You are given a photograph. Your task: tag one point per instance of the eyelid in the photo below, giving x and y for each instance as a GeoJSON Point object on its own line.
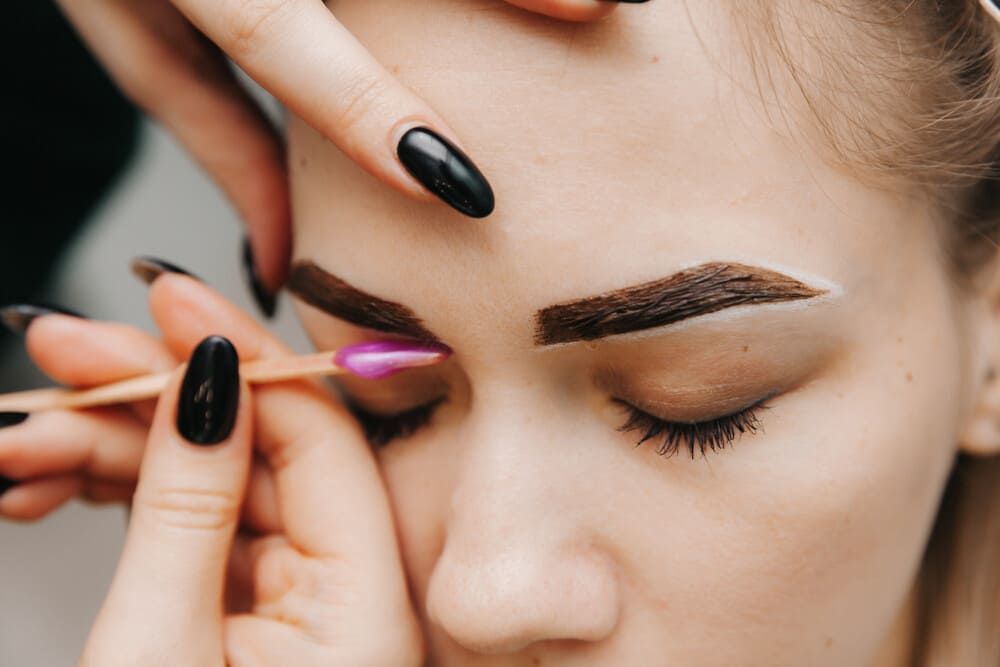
{"type": "Point", "coordinates": [380, 430]}
{"type": "Point", "coordinates": [395, 395]}
{"type": "Point", "coordinates": [709, 434]}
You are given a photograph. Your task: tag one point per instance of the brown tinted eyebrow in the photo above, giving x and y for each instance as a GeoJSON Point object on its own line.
{"type": "Point", "coordinates": [704, 289]}
{"type": "Point", "coordinates": [334, 296]}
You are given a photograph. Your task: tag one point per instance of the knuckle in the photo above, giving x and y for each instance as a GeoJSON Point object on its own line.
{"type": "Point", "coordinates": [253, 22]}
{"type": "Point", "coordinates": [192, 509]}
{"type": "Point", "coordinates": [359, 99]}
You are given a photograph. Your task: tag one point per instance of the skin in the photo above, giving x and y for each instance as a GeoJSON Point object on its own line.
{"type": "Point", "coordinates": [529, 529]}
{"type": "Point", "coordinates": [532, 531]}
{"type": "Point", "coordinates": [299, 53]}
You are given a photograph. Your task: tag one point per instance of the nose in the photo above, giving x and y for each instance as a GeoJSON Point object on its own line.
{"type": "Point", "coordinates": [520, 563]}
{"type": "Point", "coordinates": [500, 601]}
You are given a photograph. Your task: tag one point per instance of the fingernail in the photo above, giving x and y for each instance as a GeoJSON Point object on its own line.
{"type": "Point", "coordinates": [210, 393]}
{"type": "Point", "coordinates": [6, 484]}
{"type": "Point", "coordinates": [10, 419]}
{"type": "Point", "coordinates": [147, 269]}
{"type": "Point", "coordinates": [629, 1]}
{"type": "Point", "coordinates": [17, 317]}
{"type": "Point", "coordinates": [378, 359]}
{"type": "Point", "coordinates": [266, 301]}
{"type": "Point", "coordinates": [446, 171]}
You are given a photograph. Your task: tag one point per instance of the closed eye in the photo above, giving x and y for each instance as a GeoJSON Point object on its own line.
{"type": "Point", "coordinates": [703, 436]}
{"type": "Point", "coordinates": [380, 430]}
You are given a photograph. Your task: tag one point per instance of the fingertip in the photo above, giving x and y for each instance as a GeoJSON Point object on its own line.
{"type": "Point", "coordinates": [579, 11]}
{"type": "Point", "coordinates": [32, 500]}
{"type": "Point", "coordinates": [210, 394]}
{"type": "Point", "coordinates": [269, 234]}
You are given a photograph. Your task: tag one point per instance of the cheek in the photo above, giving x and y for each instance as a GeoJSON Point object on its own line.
{"type": "Point", "coordinates": [805, 539]}
{"type": "Point", "coordinates": [420, 475]}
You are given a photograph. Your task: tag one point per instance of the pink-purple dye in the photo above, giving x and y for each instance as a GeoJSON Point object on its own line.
{"type": "Point", "coordinates": [379, 359]}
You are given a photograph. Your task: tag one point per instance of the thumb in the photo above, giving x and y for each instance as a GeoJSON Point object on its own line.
{"type": "Point", "coordinates": [165, 603]}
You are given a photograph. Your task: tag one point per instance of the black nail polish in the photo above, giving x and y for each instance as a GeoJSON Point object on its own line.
{"type": "Point", "coordinates": [446, 171]}
{"type": "Point", "coordinates": [6, 484]}
{"type": "Point", "coordinates": [210, 393]}
{"type": "Point", "coordinates": [147, 269]}
{"type": "Point", "coordinates": [629, 1]}
{"type": "Point", "coordinates": [18, 316]}
{"type": "Point", "coordinates": [10, 419]}
{"type": "Point", "coordinates": [266, 301]}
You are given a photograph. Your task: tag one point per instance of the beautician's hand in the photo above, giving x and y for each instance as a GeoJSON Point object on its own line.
{"type": "Point", "coordinates": [51, 457]}
{"type": "Point", "coordinates": [157, 52]}
{"type": "Point", "coordinates": [329, 589]}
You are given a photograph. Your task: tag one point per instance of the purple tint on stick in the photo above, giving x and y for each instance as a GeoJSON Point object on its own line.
{"type": "Point", "coordinates": [379, 359]}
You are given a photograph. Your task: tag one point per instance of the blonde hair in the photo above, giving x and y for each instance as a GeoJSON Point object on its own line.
{"type": "Point", "coordinates": [909, 92]}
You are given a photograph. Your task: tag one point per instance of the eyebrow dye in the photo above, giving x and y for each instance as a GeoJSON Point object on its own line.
{"type": "Point", "coordinates": [327, 292]}
{"type": "Point", "coordinates": [375, 360]}
{"type": "Point", "coordinates": [704, 289]}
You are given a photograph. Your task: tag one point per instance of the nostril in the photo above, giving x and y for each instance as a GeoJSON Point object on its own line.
{"type": "Point", "coordinates": [510, 601]}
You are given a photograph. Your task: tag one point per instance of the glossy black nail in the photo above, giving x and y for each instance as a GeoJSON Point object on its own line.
{"type": "Point", "coordinates": [266, 301]}
{"type": "Point", "coordinates": [210, 393]}
{"type": "Point", "coordinates": [10, 419]}
{"type": "Point", "coordinates": [17, 317]}
{"type": "Point", "coordinates": [6, 484]}
{"type": "Point", "coordinates": [147, 269]}
{"type": "Point", "coordinates": [446, 171]}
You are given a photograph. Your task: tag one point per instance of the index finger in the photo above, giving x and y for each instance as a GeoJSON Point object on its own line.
{"type": "Point", "coordinates": [298, 51]}
{"type": "Point", "coordinates": [331, 499]}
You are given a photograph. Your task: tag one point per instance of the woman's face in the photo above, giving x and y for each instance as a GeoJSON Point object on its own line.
{"type": "Point", "coordinates": [632, 154]}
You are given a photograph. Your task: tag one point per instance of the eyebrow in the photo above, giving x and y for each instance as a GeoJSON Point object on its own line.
{"type": "Point", "coordinates": [693, 292]}
{"type": "Point", "coordinates": [704, 289]}
{"type": "Point", "coordinates": [323, 290]}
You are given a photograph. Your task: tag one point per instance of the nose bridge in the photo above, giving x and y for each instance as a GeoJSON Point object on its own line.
{"type": "Point", "coordinates": [519, 564]}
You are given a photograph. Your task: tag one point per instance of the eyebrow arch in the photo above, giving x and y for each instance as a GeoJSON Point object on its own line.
{"type": "Point", "coordinates": [321, 289]}
{"type": "Point", "coordinates": [704, 289]}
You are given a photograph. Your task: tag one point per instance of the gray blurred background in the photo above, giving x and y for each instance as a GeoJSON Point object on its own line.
{"type": "Point", "coordinates": [96, 185]}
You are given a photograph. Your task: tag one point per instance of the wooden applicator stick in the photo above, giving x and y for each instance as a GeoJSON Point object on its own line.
{"type": "Point", "coordinates": [372, 360]}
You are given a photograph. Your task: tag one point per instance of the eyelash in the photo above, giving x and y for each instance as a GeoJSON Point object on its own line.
{"type": "Point", "coordinates": [380, 430]}
{"type": "Point", "coordinates": [710, 435]}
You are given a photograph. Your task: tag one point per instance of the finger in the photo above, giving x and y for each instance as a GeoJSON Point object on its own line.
{"type": "Point", "coordinates": [570, 10]}
{"type": "Point", "coordinates": [168, 589]}
{"type": "Point", "coordinates": [183, 312]}
{"type": "Point", "coordinates": [252, 641]}
{"type": "Point", "coordinates": [260, 511]}
{"type": "Point", "coordinates": [104, 444]}
{"type": "Point", "coordinates": [31, 500]}
{"type": "Point", "coordinates": [307, 59]}
{"type": "Point", "coordinates": [99, 492]}
{"type": "Point", "coordinates": [323, 468]}
{"type": "Point", "coordinates": [85, 353]}
{"type": "Point", "coordinates": [170, 70]}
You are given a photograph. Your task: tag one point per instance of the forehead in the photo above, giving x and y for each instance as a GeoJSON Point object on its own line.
{"type": "Point", "coordinates": [619, 152]}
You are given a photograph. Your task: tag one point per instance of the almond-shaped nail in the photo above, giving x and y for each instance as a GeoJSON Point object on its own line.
{"type": "Point", "coordinates": [147, 269]}
{"type": "Point", "coordinates": [446, 171]}
{"type": "Point", "coordinates": [10, 419]}
{"type": "Point", "coordinates": [375, 360]}
{"type": "Point", "coordinates": [17, 317]}
{"type": "Point", "coordinates": [266, 301]}
{"type": "Point", "coordinates": [210, 393]}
